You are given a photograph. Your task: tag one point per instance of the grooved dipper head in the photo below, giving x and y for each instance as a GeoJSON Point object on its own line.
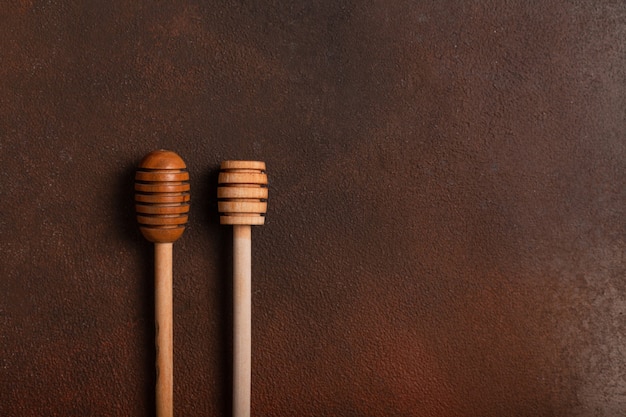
{"type": "Point", "coordinates": [242, 192]}
{"type": "Point", "coordinates": [162, 196]}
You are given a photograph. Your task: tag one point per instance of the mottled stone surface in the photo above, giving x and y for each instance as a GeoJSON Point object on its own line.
{"type": "Point", "coordinates": [446, 227]}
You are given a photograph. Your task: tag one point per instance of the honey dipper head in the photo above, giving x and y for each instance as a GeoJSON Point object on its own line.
{"type": "Point", "coordinates": [242, 192]}
{"type": "Point", "coordinates": [162, 196]}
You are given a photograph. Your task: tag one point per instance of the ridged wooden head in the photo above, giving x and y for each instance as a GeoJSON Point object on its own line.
{"type": "Point", "coordinates": [162, 196]}
{"type": "Point", "coordinates": [242, 192]}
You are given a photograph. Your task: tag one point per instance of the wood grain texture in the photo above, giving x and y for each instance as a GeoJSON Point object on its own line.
{"type": "Point", "coordinates": [164, 321]}
{"type": "Point", "coordinates": [242, 193]}
{"type": "Point", "coordinates": [242, 320]}
{"type": "Point", "coordinates": [162, 196]}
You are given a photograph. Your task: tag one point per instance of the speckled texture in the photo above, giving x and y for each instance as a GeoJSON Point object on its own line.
{"type": "Point", "coordinates": [446, 227]}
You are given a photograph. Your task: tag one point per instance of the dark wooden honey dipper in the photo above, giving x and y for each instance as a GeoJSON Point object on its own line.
{"type": "Point", "coordinates": [162, 206]}
{"type": "Point", "coordinates": [242, 202]}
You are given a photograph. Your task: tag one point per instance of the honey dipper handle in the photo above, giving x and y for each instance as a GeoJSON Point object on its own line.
{"type": "Point", "coordinates": [242, 307]}
{"type": "Point", "coordinates": [164, 329]}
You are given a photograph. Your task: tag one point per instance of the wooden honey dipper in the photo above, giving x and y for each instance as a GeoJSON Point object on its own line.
{"type": "Point", "coordinates": [162, 206]}
{"type": "Point", "coordinates": [242, 202]}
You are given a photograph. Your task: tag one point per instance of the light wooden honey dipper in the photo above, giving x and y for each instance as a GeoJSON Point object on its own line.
{"type": "Point", "coordinates": [242, 202]}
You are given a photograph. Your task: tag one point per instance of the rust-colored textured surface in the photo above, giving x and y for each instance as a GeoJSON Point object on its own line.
{"type": "Point", "coordinates": [446, 229]}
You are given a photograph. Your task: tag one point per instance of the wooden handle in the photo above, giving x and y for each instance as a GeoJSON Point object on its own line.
{"type": "Point", "coordinates": [164, 329]}
{"type": "Point", "coordinates": [242, 320]}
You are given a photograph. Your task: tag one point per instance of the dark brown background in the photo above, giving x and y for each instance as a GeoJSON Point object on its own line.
{"type": "Point", "coordinates": [446, 231]}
